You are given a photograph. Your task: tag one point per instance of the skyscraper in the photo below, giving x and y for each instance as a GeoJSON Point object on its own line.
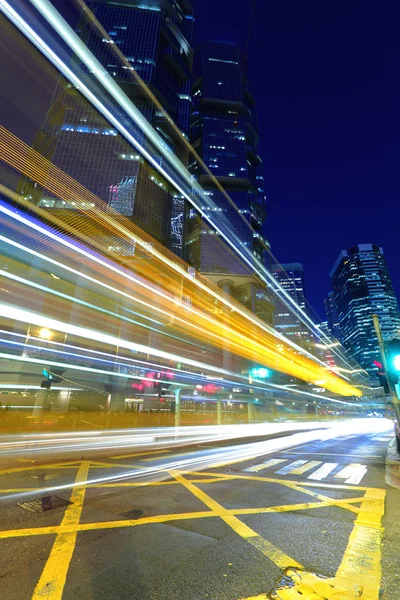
{"type": "Point", "coordinates": [155, 36]}
{"type": "Point", "coordinates": [290, 276]}
{"type": "Point", "coordinates": [361, 287]}
{"type": "Point", "coordinates": [332, 316]}
{"type": "Point", "coordinates": [224, 132]}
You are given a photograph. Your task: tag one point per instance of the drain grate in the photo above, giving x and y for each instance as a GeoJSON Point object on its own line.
{"type": "Point", "coordinates": [40, 505]}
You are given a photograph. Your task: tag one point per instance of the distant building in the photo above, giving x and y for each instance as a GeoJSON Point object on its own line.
{"type": "Point", "coordinates": [290, 276]}
{"type": "Point", "coordinates": [325, 351]}
{"type": "Point", "coordinates": [332, 316]}
{"type": "Point", "coordinates": [155, 37]}
{"type": "Point", "coordinates": [361, 287]}
{"type": "Point", "coordinates": [224, 132]}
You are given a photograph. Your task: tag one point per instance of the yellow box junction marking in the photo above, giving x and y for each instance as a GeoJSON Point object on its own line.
{"type": "Point", "coordinates": [360, 564]}
{"type": "Point", "coordinates": [54, 574]}
{"type": "Point", "coordinates": [267, 548]}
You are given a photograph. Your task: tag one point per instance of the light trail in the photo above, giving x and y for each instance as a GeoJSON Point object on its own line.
{"type": "Point", "coordinates": [198, 459]}
{"type": "Point", "coordinates": [250, 347]}
{"type": "Point", "coordinates": [74, 42]}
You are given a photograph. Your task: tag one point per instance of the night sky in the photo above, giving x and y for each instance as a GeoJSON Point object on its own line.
{"type": "Point", "coordinates": [325, 76]}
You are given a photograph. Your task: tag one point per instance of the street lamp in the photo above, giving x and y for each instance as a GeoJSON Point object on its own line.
{"type": "Point", "coordinates": [45, 334]}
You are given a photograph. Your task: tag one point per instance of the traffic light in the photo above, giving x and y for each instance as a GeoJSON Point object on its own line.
{"type": "Point", "coordinates": [51, 377]}
{"type": "Point", "coordinates": [393, 359]}
{"type": "Point", "coordinates": [259, 373]}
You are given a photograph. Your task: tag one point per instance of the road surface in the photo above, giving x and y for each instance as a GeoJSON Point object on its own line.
{"type": "Point", "coordinates": [225, 530]}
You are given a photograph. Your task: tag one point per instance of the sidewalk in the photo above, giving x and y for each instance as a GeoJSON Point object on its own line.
{"type": "Point", "coordinates": [390, 583]}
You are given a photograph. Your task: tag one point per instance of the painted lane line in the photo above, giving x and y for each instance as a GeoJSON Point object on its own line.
{"type": "Point", "coordinates": [323, 471]}
{"type": "Point", "coordinates": [357, 475]}
{"type": "Point", "coordinates": [307, 467]}
{"type": "Point", "coordinates": [266, 464]}
{"type": "Point", "coordinates": [311, 453]}
{"type": "Point", "coordinates": [352, 473]}
{"type": "Point", "coordinates": [346, 471]}
{"type": "Point", "coordinates": [292, 466]}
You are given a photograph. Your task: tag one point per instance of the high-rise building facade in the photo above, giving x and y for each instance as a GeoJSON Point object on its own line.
{"type": "Point", "coordinates": [362, 287]}
{"type": "Point", "coordinates": [332, 316]}
{"type": "Point", "coordinates": [290, 277]}
{"type": "Point", "coordinates": [155, 37]}
{"type": "Point", "coordinates": [224, 132]}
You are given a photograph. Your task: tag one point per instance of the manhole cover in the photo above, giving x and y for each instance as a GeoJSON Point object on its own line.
{"type": "Point", "coordinates": [43, 504]}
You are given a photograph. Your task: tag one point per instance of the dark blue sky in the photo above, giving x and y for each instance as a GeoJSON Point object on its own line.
{"type": "Point", "coordinates": [325, 76]}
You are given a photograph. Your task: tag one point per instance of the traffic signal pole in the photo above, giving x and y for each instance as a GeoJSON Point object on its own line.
{"type": "Point", "coordinates": [395, 400]}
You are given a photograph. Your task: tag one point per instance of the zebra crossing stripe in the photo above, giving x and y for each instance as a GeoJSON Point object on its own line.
{"type": "Point", "coordinates": [269, 463]}
{"type": "Point", "coordinates": [306, 467]}
{"type": "Point", "coordinates": [352, 473]}
{"type": "Point", "coordinates": [323, 471]}
{"type": "Point", "coordinates": [291, 467]}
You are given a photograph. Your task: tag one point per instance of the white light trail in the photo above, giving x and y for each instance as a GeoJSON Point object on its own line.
{"type": "Point", "coordinates": [94, 66]}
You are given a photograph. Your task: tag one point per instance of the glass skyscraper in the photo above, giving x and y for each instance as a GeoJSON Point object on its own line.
{"type": "Point", "coordinates": [155, 37]}
{"type": "Point", "coordinates": [290, 277]}
{"type": "Point", "coordinates": [332, 316]}
{"type": "Point", "coordinates": [362, 287]}
{"type": "Point", "coordinates": [224, 132]}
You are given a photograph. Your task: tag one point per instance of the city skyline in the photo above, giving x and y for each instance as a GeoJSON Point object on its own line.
{"type": "Point", "coordinates": [362, 287]}
{"type": "Point", "coordinates": [291, 195]}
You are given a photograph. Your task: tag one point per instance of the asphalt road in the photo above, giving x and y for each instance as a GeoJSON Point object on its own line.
{"type": "Point", "coordinates": [228, 529]}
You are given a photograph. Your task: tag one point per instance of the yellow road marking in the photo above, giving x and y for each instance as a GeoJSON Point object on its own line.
{"type": "Point", "coordinates": [333, 486]}
{"type": "Point", "coordinates": [55, 529]}
{"type": "Point", "coordinates": [361, 560]}
{"type": "Point", "coordinates": [54, 574]}
{"type": "Point", "coordinates": [293, 507]}
{"type": "Point", "coordinates": [140, 454]}
{"type": "Point", "coordinates": [267, 548]}
{"type": "Point", "coordinates": [306, 467]}
{"type": "Point", "coordinates": [63, 465]}
{"type": "Point", "coordinates": [96, 464]}
{"type": "Point", "coordinates": [16, 490]}
{"type": "Point", "coordinates": [331, 501]}
{"type": "Point", "coordinates": [79, 527]}
{"type": "Point", "coordinates": [169, 456]}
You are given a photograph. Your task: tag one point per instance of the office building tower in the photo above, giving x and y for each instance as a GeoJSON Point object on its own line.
{"type": "Point", "coordinates": [155, 37]}
{"type": "Point", "coordinates": [290, 277]}
{"type": "Point", "coordinates": [325, 348]}
{"type": "Point", "coordinates": [224, 132]}
{"type": "Point", "coordinates": [362, 287]}
{"type": "Point", "coordinates": [332, 316]}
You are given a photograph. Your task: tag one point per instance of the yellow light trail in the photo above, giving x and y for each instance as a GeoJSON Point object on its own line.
{"type": "Point", "coordinates": [238, 330]}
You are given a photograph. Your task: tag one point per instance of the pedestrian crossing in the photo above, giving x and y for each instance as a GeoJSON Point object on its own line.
{"type": "Point", "coordinates": [315, 470]}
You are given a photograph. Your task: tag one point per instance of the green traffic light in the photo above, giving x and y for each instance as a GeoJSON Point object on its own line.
{"type": "Point", "coordinates": [260, 373]}
{"type": "Point", "coordinates": [396, 362]}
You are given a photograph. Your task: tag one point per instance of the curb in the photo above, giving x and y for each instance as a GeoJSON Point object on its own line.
{"type": "Point", "coordinates": [392, 474]}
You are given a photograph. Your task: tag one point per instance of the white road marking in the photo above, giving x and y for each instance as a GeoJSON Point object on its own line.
{"type": "Point", "coordinates": [291, 467]}
{"type": "Point", "coordinates": [323, 471]}
{"type": "Point", "coordinates": [307, 467]}
{"type": "Point", "coordinates": [352, 473]}
{"type": "Point", "coordinates": [269, 463]}
{"type": "Point", "coordinates": [331, 454]}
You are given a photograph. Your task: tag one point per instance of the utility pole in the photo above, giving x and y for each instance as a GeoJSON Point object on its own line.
{"type": "Point", "coordinates": [395, 400]}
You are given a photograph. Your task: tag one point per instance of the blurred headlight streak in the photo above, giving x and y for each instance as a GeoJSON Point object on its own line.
{"type": "Point", "coordinates": [183, 181]}
{"type": "Point", "coordinates": [100, 443]}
